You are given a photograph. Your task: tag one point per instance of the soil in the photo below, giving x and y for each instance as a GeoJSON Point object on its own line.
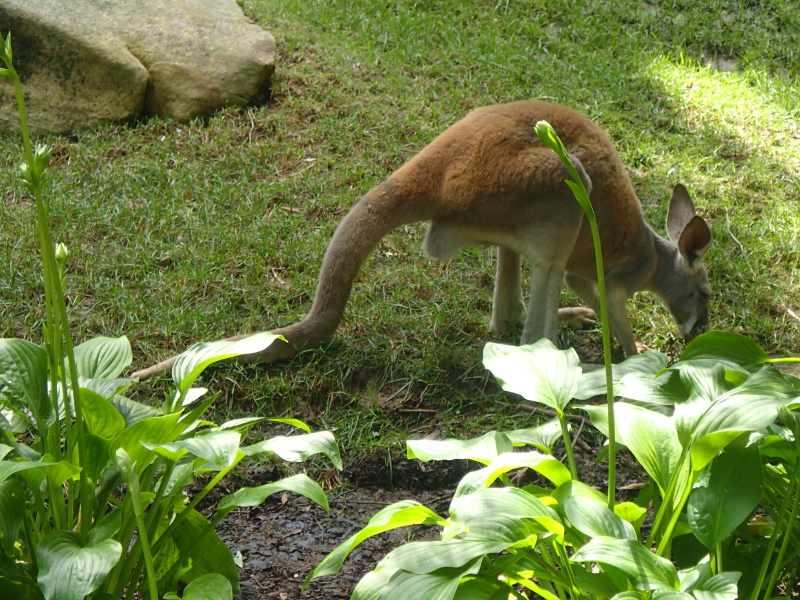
{"type": "Point", "coordinates": [281, 540]}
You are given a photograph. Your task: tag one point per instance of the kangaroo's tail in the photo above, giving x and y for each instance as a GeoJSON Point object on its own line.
{"type": "Point", "coordinates": [380, 211]}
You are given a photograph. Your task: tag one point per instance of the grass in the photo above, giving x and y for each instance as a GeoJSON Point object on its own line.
{"type": "Point", "coordinates": [180, 232]}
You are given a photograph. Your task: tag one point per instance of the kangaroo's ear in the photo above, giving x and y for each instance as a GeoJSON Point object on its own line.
{"type": "Point", "coordinates": [694, 240]}
{"type": "Point", "coordinates": [680, 212]}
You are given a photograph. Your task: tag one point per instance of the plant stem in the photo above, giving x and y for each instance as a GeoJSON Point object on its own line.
{"type": "Point", "coordinates": [195, 501]}
{"type": "Point", "coordinates": [148, 557]}
{"type": "Point", "coordinates": [601, 289]}
{"type": "Point", "coordinates": [787, 535]}
{"type": "Point", "coordinates": [666, 539]}
{"type": "Point", "coordinates": [58, 326]}
{"type": "Point", "coordinates": [551, 140]}
{"type": "Point", "coordinates": [568, 445]}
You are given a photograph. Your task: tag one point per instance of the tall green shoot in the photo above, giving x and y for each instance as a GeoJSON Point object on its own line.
{"type": "Point", "coordinates": [551, 140]}
{"type": "Point", "coordinates": [58, 340]}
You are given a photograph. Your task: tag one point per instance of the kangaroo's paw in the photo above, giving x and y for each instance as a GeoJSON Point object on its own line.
{"type": "Point", "coordinates": [578, 317]}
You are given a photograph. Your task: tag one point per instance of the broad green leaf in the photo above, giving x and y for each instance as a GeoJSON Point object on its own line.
{"type": "Point", "coordinates": [727, 493]}
{"type": "Point", "coordinates": [578, 490]}
{"type": "Point", "coordinates": [440, 585]}
{"type": "Point", "coordinates": [595, 519]}
{"type": "Point", "coordinates": [36, 471]}
{"type": "Point", "coordinates": [219, 449]}
{"type": "Point", "coordinates": [593, 383]}
{"type": "Point", "coordinates": [706, 382]}
{"type": "Point", "coordinates": [293, 422]}
{"type": "Point", "coordinates": [542, 436]}
{"type": "Point", "coordinates": [399, 514]}
{"type": "Point", "coordinates": [656, 393]}
{"type": "Point", "coordinates": [750, 406]}
{"type": "Point", "coordinates": [546, 465]}
{"type": "Point", "coordinates": [97, 456]}
{"type": "Point", "coordinates": [13, 421]}
{"type": "Point", "coordinates": [482, 449]}
{"type": "Point", "coordinates": [103, 357]}
{"type": "Point", "coordinates": [107, 527]}
{"type": "Point", "coordinates": [386, 583]}
{"type": "Point", "coordinates": [244, 422]}
{"type": "Point", "coordinates": [107, 388]}
{"type": "Point", "coordinates": [538, 372]}
{"type": "Point", "coordinates": [126, 468]}
{"type": "Point", "coordinates": [9, 467]}
{"type": "Point", "coordinates": [182, 476]}
{"type": "Point", "coordinates": [719, 587]}
{"type": "Point", "coordinates": [373, 585]}
{"type": "Point", "coordinates": [102, 419]}
{"type": "Point", "coordinates": [594, 583]}
{"type": "Point", "coordinates": [652, 439]}
{"type": "Point", "coordinates": [426, 557]}
{"type": "Point", "coordinates": [297, 448]}
{"type": "Point", "coordinates": [735, 412]}
{"type": "Point", "coordinates": [69, 570]}
{"type": "Point", "coordinates": [198, 558]}
{"type": "Point", "coordinates": [194, 361]}
{"type": "Point", "coordinates": [500, 514]}
{"type": "Point", "coordinates": [482, 589]}
{"type": "Point", "coordinates": [767, 381]}
{"type": "Point", "coordinates": [716, 345]}
{"type": "Point", "coordinates": [23, 370]}
{"type": "Point", "coordinates": [632, 513]}
{"type": "Point", "coordinates": [209, 587]}
{"type": "Point", "coordinates": [646, 570]}
{"type": "Point", "coordinates": [706, 448]}
{"type": "Point", "coordinates": [191, 396]}
{"type": "Point", "coordinates": [598, 415]}
{"type": "Point", "coordinates": [12, 511]}
{"type": "Point", "coordinates": [155, 430]}
{"type": "Point", "coordinates": [589, 514]}
{"type": "Point", "coordinates": [132, 411]}
{"type": "Point", "coordinates": [300, 484]}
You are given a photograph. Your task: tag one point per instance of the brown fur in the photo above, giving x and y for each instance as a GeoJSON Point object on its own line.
{"type": "Point", "coordinates": [488, 180]}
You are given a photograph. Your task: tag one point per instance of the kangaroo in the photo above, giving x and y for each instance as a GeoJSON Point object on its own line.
{"type": "Point", "coordinates": [488, 180]}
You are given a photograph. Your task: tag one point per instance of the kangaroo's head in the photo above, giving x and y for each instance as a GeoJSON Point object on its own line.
{"type": "Point", "coordinates": [684, 285]}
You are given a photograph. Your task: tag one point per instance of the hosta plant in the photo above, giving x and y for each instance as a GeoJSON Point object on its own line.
{"type": "Point", "coordinates": [716, 435]}
{"type": "Point", "coordinates": [93, 484]}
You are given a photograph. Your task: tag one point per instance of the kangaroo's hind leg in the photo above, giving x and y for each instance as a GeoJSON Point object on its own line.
{"type": "Point", "coordinates": [617, 298]}
{"type": "Point", "coordinates": [542, 317]}
{"type": "Point", "coordinates": [548, 259]}
{"type": "Point", "coordinates": [508, 307]}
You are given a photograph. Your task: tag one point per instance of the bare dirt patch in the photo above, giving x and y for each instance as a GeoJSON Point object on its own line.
{"type": "Point", "coordinates": [281, 540]}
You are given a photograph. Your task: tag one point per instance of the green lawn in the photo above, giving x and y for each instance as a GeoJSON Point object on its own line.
{"type": "Point", "coordinates": [181, 232]}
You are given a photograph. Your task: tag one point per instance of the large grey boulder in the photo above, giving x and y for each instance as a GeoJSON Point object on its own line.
{"type": "Point", "coordinates": [87, 61]}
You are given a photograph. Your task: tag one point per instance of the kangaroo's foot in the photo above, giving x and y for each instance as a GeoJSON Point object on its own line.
{"type": "Point", "coordinates": [578, 317]}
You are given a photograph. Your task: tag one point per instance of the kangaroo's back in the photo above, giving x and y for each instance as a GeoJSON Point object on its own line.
{"type": "Point", "coordinates": [493, 155]}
